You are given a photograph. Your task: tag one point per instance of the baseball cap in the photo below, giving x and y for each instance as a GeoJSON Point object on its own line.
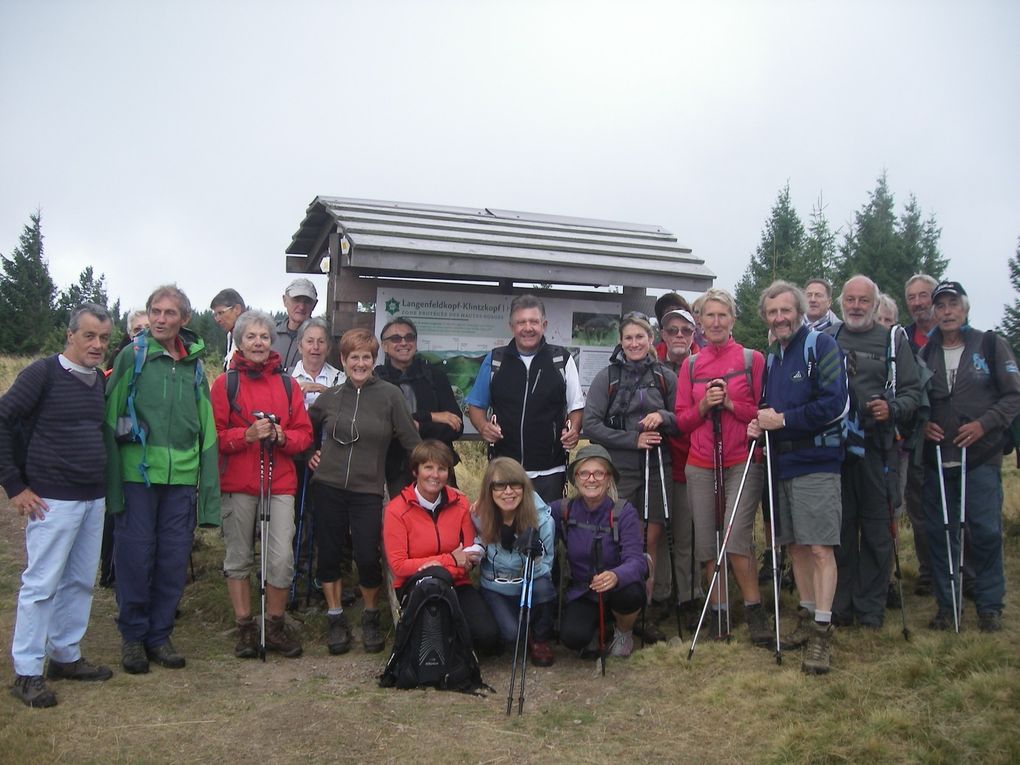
{"type": "Point", "coordinates": [301, 288]}
{"type": "Point", "coordinates": [947, 288]}
{"type": "Point", "coordinates": [685, 315]}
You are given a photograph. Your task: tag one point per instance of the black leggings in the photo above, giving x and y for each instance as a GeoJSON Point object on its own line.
{"type": "Point", "coordinates": [581, 616]}
{"type": "Point", "coordinates": [336, 512]}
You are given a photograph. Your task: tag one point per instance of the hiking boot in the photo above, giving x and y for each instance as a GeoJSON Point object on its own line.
{"type": "Point", "coordinates": [758, 625]}
{"type": "Point", "coordinates": [338, 639]}
{"type": "Point", "coordinates": [31, 690]}
{"type": "Point", "coordinates": [990, 621]}
{"type": "Point", "coordinates": [943, 620]}
{"type": "Point", "coordinates": [892, 598]}
{"type": "Point", "coordinates": [133, 658]}
{"type": "Point", "coordinates": [801, 633]}
{"type": "Point", "coordinates": [690, 612]}
{"type": "Point", "coordinates": [542, 653]}
{"type": "Point", "coordinates": [717, 624]}
{"type": "Point", "coordinates": [372, 637]}
{"type": "Point", "coordinates": [77, 670]}
{"type": "Point", "coordinates": [622, 645]}
{"type": "Point", "coordinates": [165, 655]}
{"type": "Point", "coordinates": [278, 640]}
{"type": "Point", "coordinates": [818, 654]}
{"type": "Point", "coordinates": [247, 639]}
{"type": "Point", "coordinates": [647, 629]}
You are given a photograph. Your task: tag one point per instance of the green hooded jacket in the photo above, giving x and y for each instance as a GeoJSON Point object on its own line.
{"type": "Point", "coordinates": [181, 443]}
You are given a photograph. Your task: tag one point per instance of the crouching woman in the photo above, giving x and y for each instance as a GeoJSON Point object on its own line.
{"type": "Point", "coordinates": [603, 540]}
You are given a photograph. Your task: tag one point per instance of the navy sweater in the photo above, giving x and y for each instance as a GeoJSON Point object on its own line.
{"type": "Point", "coordinates": [66, 457]}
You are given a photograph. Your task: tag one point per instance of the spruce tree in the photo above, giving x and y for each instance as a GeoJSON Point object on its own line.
{"type": "Point", "coordinates": [820, 256]}
{"type": "Point", "coordinates": [26, 294]}
{"type": "Point", "coordinates": [779, 255]}
{"type": "Point", "coordinates": [87, 290]}
{"type": "Point", "coordinates": [1010, 327]}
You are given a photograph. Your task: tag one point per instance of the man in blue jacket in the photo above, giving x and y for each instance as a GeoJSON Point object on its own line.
{"type": "Point", "coordinates": [806, 402]}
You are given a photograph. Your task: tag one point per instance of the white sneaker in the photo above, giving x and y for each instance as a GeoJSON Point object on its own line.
{"type": "Point", "coordinates": [622, 645]}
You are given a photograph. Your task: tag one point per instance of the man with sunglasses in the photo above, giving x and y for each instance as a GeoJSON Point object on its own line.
{"type": "Point", "coordinates": [226, 306]}
{"type": "Point", "coordinates": [535, 396]}
{"type": "Point", "coordinates": [427, 393]}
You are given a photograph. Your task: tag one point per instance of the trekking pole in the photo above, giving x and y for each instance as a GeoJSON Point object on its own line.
{"type": "Point", "coordinates": [262, 550]}
{"type": "Point", "coordinates": [674, 590]}
{"type": "Point", "coordinates": [945, 526]}
{"type": "Point", "coordinates": [602, 608]}
{"type": "Point", "coordinates": [963, 520]}
{"type": "Point", "coordinates": [772, 531]}
{"type": "Point", "coordinates": [895, 534]}
{"type": "Point", "coordinates": [720, 512]}
{"type": "Point", "coordinates": [517, 645]}
{"type": "Point", "coordinates": [722, 549]}
{"type": "Point", "coordinates": [298, 532]}
{"type": "Point", "coordinates": [529, 585]}
{"type": "Point", "coordinates": [644, 604]}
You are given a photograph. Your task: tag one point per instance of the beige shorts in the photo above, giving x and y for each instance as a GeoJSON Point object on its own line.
{"type": "Point", "coordinates": [701, 494]}
{"type": "Point", "coordinates": [239, 519]}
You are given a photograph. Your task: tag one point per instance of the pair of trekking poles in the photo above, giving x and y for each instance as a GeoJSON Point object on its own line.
{"type": "Point", "coordinates": [722, 538]}
{"type": "Point", "coordinates": [531, 545]}
{"type": "Point", "coordinates": [957, 571]}
{"type": "Point", "coordinates": [266, 460]}
{"type": "Point", "coordinates": [670, 545]}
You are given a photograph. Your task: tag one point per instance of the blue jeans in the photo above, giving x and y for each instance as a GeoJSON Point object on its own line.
{"type": "Point", "coordinates": [56, 588]}
{"type": "Point", "coordinates": [984, 529]}
{"type": "Point", "coordinates": [506, 608]}
{"type": "Point", "coordinates": [152, 543]}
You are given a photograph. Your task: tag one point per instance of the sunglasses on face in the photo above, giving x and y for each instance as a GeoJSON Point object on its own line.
{"type": "Point", "coordinates": [498, 487]}
{"type": "Point", "coordinates": [410, 337]}
{"type": "Point", "coordinates": [674, 331]}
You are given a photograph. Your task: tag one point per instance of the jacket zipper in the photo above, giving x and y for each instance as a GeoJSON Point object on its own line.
{"type": "Point", "coordinates": [354, 417]}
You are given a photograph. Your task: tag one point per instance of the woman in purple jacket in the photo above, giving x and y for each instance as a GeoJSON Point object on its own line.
{"type": "Point", "coordinates": [602, 536]}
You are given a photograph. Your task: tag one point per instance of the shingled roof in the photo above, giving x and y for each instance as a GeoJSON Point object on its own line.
{"type": "Point", "coordinates": [437, 242]}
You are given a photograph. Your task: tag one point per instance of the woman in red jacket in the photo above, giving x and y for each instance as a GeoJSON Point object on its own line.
{"type": "Point", "coordinates": [256, 448]}
{"type": "Point", "coordinates": [429, 524]}
{"type": "Point", "coordinates": [723, 384]}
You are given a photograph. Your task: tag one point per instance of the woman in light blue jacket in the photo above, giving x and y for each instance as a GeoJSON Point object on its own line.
{"type": "Point", "coordinates": [507, 507]}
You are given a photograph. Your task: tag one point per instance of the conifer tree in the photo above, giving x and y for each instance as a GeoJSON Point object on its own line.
{"type": "Point", "coordinates": [1010, 327]}
{"type": "Point", "coordinates": [26, 294]}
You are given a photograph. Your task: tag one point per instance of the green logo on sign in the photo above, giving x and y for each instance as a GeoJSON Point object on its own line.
{"type": "Point", "coordinates": [392, 306]}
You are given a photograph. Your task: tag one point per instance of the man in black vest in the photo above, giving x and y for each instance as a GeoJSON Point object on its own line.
{"type": "Point", "coordinates": [534, 393]}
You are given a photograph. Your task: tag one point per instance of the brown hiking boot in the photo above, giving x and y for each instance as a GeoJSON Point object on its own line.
{"type": "Point", "coordinates": [338, 637]}
{"type": "Point", "coordinates": [247, 639]}
{"type": "Point", "coordinates": [31, 690]}
{"type": "Point", "coordinates": [278, 640]}
{"type": "Point", "coordinates": [77, 670]}
{"type": "Point", "coordinates": [372, 638]}
{"type": "Point", "coordinates": [801, 633]}
{"type": "Point", "coordinates": [758, 625]}
{"type": "Point", "coordinates": [542, 653]}
{"type": "Point", "coordinates": [818, 654]}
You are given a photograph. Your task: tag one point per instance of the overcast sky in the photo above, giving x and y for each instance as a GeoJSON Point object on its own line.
{"type": "Point", "coordinates": [183, 141]}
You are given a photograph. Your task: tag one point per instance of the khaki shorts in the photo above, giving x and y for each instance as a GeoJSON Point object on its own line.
{"type": "Point", "coordinates": [239, 519]}
{"type": "Point", "coordinates": [810, 510]}
{"type": "Point", "coordinates": [701, 494]}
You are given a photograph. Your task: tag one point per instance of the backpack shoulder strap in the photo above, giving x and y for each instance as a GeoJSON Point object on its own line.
{"type": "Point", "coordinates": [496, 361]}
{"type": "Point", "coordinates": [614, 385]}
{"type": "Point", "coordinates": [232, 384]}
{"type": "Point", "coordinates": [988, 342]}
{"type": "Point", "coordinates": [749, 368]}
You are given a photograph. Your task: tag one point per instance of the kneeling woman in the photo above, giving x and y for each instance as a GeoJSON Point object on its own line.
{"type": "Point", "coordinates": [508, 507]}
{"type": "Point", "coordinates": [429, 524]}
{"type": "Point", "coordinates": [603, 539]}
{"type": "Point", "coordinates": [256, 450]}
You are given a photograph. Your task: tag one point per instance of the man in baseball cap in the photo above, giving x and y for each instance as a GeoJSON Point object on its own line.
{"type": "Point", "coordinates": [300, 299]}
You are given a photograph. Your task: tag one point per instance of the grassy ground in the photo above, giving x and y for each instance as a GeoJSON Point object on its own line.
{"type": "Point", "coordinates": [941, 698]}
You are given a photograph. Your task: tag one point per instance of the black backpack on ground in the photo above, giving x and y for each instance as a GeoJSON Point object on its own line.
{"type": "Point", "coordinates": [433, 643]}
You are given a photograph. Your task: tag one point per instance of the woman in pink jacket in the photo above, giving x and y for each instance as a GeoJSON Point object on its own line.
{"type": "Point", "coordinates": [722, 384]}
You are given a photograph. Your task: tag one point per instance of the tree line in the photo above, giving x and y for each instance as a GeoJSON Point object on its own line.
{"type": "Point", "coordinates": [34, 313]}
{"type": "Point", "coordinates": [884, 245]}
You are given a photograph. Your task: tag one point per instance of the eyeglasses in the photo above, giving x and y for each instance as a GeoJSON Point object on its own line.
{"type": "Point", "coordinates": [508, 580]}
{"type": "Point", "coordinates": [219, 313]}
{"type": "Point", "coordinates": [498, 487]}
{"type": "Point", "coordinates": [355, 435]}
{"type": "Point", "coordinates": [674, 331]}
{"type": "Point", "coordinates": [410, 337]}
{"type": "Point", "coordinates": [584, 475]}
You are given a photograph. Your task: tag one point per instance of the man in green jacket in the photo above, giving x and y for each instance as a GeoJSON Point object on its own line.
{"type": "Point", "coordinates": [162, 468]}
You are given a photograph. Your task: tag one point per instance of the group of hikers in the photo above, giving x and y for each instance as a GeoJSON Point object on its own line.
{"type": "Point", "coordinates": [688, 435]}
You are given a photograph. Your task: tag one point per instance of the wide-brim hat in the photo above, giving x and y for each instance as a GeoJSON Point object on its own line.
{"type": "Point", "coordinates": [588, 452]}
